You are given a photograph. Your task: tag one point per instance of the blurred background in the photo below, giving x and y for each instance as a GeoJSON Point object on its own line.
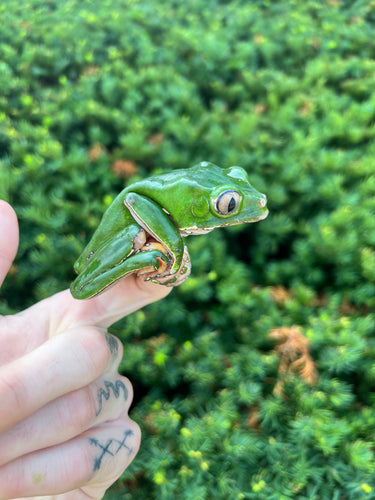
{"type": "Point", "coordinates": [255, 378]}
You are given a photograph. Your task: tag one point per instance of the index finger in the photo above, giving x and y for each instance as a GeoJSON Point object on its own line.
{"type": "Point", "coordinates": [127, 296]}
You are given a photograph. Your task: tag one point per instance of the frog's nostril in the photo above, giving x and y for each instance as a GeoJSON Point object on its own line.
{"type": "Point", "coordinates": [262, 203]}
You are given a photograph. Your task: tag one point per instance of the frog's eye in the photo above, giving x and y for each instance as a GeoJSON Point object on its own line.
{"type": "Point", "coordinates": [228, 202]}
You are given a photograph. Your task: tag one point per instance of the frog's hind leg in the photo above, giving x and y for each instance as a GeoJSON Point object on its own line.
{"type": "Point", "coordinates": [150, 260]}
{"type": "Point", "coordinates": [114, 260]}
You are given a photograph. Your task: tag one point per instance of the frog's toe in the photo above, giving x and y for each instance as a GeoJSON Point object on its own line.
{"type": "Point", "coordinates": [162, 274]}
{"type": "Point", "coordinates": [162, 264]}
{"type": "Point", "coordinates": [174, 279]}
{"type": "Point", "coordinates": [178, 277]}
{"type": "Point", "coordinates": [159, 267]}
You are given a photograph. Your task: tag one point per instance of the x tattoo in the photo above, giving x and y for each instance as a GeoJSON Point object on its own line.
{"type": "Point", "coordinates": [111, 447]}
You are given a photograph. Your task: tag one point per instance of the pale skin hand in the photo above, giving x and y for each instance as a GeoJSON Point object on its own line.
{"type": "Point", "coordinates": [65, 432]}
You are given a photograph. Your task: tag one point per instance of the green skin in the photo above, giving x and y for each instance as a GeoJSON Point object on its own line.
{"type": "Point", "coordinates": [163, 209]}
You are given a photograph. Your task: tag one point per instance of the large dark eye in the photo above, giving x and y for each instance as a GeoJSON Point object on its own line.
{"type": "Point", "coordinates": [228, 202]}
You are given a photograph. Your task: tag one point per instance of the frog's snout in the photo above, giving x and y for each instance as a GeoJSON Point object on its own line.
{"type": "Point", "coordinates": [263, 201]}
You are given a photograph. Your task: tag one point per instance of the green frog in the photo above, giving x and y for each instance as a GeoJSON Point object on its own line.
{"type": "Point", "coordinates": [142, 230]}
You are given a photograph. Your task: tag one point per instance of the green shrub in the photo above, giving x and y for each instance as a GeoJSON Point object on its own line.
{"type": "Point", "coordinates": [95, 91]}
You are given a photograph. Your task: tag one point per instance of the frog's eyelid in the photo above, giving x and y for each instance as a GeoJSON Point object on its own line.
{"type": "Point", "coordinates": [237, 173]}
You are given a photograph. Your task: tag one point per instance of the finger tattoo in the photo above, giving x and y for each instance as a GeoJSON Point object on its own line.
{"type": "Point", "coordinates": [118, 389]}
{"type": "Point", "coordinates": [112, 344]}
{"type": "Point", "coordinates": [111, 447]}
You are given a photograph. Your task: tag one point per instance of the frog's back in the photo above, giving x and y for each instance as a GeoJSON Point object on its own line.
{"type": "Point", "coordinates": [204, 176]}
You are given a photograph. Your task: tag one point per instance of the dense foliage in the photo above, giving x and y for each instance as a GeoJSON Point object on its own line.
{"type": "Point", "coordinates": [253, 379]}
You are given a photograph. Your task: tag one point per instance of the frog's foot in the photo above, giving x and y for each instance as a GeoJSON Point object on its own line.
{"type": "Point", "coordinates": [177, 278]}
{"type": "Point", "coordinates": [162, 275]}
{"type": "Point", "coordinates": [151, 271]}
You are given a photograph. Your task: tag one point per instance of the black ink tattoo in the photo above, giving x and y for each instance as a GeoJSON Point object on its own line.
{"type": "Point", "coordinates": [106, 393]}
{"type": "Point", "coordinates": [111, 447]}
{"type": "Point", "coordinates": [112, 344]}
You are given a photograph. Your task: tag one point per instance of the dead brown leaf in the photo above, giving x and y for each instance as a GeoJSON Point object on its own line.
{"type": "Point", "coordinates": [156, 139]}
{"type": "Point", "coordinates": [306, 108]}
{"type": "Point", "coordinates": [293, 349]}
{"type": "Point", "coordinates": [95, 152]}
{"type": "Point", "coordinates": [124, 168]}
{"type": "Point", "coordinates": [253, 419]}
{"type": "Point", "coordinates": [280, 294]}
{"type": "Point", "coordinates": [259, 108]}
{"type": "Point", "coordinates": [91, 70]}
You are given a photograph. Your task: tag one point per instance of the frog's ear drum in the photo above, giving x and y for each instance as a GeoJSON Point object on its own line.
{"type": "Point", "coordinates": [228, 202]}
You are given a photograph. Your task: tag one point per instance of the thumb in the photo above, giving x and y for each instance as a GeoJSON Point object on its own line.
{"type": "Point", "coordinates": [8, 238]}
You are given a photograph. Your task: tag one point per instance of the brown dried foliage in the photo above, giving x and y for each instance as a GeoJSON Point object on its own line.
{"type": "Point", "coordinates": [95, 152]}
{"type": "Point", "coordinates": [124, 168]}
{"type": "Point", "coordinates": [156, 139]}
{"type": "Point", "coordinates": [280, 294]}
{"type": "Point", "coordinates": [259, 108]}
{"type": "Point", "coordinates": [91, 70]}
{"type": "Point", "coordinates": [253, 420]}
{"type": "Point", "coordinates": [293, 349]}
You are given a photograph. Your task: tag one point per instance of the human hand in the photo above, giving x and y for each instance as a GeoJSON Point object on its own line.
{"type": "Point", "coordinates": [64, 425]}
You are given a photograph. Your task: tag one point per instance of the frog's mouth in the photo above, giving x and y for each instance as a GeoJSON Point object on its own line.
{"type": "Point", "coordinates": [195, 230]}
{"type": "Point", "coordinates": [263, 216]}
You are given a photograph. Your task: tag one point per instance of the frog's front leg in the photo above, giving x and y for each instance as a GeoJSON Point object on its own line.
{"type": "Point", "coordinates": [163, 235]}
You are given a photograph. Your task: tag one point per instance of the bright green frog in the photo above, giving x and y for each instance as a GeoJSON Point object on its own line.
{"type": "Point", "coordinates": [141, 231]}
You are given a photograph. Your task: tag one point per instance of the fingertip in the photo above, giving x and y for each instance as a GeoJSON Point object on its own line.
{"type": "Point", "coordinates": [8, 225]}
{"type": "Point", "coordinates": [9, 237]}
{"type": "Point", "coordinates": [7, 209]}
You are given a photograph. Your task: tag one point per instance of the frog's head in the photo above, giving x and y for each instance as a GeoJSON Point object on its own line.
{"type": "Point", "coordinates": [220, 197]}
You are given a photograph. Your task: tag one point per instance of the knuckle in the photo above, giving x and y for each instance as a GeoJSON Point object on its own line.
{"type": "Point", "coordinates": [137, 432]}
{"type": "Point", "coordinates": [13, 395]}
{"type": "Point", "coordinates": [78, 410]}
{"type": "Point", "coordinates": [133, 428]}
{"type": "Point", "coordinates": [95, 353]}
{"type": "Point", "coordinates": [115, 347]}
{"type": "Point", "coordinates": [128, 424]}
{"type": "Point", "coordinates": [129, 388]}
